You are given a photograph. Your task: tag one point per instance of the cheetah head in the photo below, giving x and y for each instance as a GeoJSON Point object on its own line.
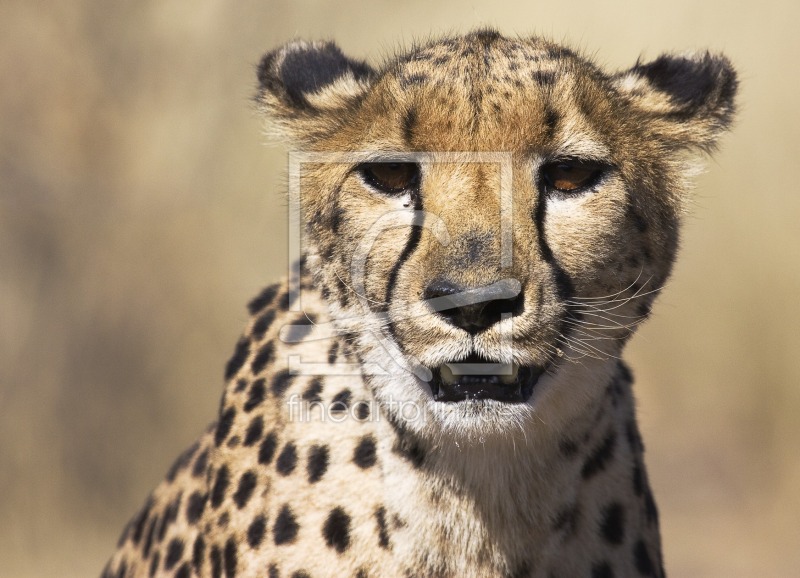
{"type": "Point", "coordinates": [490, 218]}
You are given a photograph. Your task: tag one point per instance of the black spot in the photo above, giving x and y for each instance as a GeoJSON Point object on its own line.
{"type": "Point", "coordinates": [230, 558]}
{"type": "Point", "coordinates": [273, 572]}
{"type": "Point", "coordinates": [300, 329]}
{"type": "Point", "coordinates": [151, 534]}
{"type": "Point", "coordinates": [285, 529]}
{"type": "Point", "coordinates": [364, 454]}
{"type": "Point", "coordinates": [220, 487]}
{"type": "Point", "coordinates": [184, 571]}
{"type": "Point", "coordinates": [405, 444]}
{"type": "Point", "coordinates": [264, 356]}
{"type": "Point", "coordinates": [643, 309]}
{"type": "Point", "coordinates": [650, 508]}
{"type": "Point", "coordinates": [341, 401]}
{"type": "Point", "coordinates": [200, 464]}
{"type": "Point", "coordinates": [195, 506]}
{"type": "Point", "coordinates": [300, 574]}
{"type": "Point", "coordinates": [223, 520]}
{"type": "Point", "coordinates": [567, 520]}
{"type": "Point", "coordinates": [154, 564]}
{"type": "Point", "coordinates": [255, 532]}
{"type": "Point", "coordinates": [638, 478]}
{"type": "Point", "coordinates": [140, 520]}
{"type": "Point", "coordinates": [256, 395]}
{"type": "Point", "coordinates": [284, 301]}
{"type": "Point", "coordinates": [267, 449]}
{"type": "Point", "coordinates": [317, 463]}
{"type": "Point", "coordinates": [198, 553]}
{"type": "Point", "coordinates": [263, 323]}
{"type": "Point", "coordinates": [333, 352]}
{"type": "Point", "coordinates": [287, 460]}
{"type": "Point", "coordinates": [615, 391]}
{"type": "Point", "coordinates": [544, 78]}
{"type": "Point", "coordinates": [182, 462]}
{"type": "Point", "coordinates": [124, 536]}
{"type": "Point", "coordinates": [247, 483]}
{"type": "Point", "coordinates": [642, 560]}
{"type": "Point", "coordinates": [383, 531]}
{"type": "Point", "coordinates": [234, 441]}
{"type": "Point", "coordinates": [281, 382]}
{"type": "Point", "coordinates": [216, 562]}
{"type": "Point", "coordinates": [313, 391]}
{"type": "Point", "coordinates": [336, 530]}
{"type": "Point", "coordinates": [602, 570]}
{"type": "Point", "coordinates": [224, 426]}
{"type": "Point", "coordinates": [362, 410]}
{"type": "Point", "coordinates": [361, 573]}
{"type": "Point", "coordinates": [240, 385]}
{"type": "Point", "coordinates": [162, 531]}
{"type": "Point", "coordinates": [634, 439]}
{"type": "Point", "coordinates": [336, 220]}
{"type": "Point", "coordinates": [236, 362]}
{"type": "Point", "coordinates": [254, 431]}
{"type": "Point", "coordinates": [568, 448]}
{"type": "Point", "coordinates": [174, 553]}
{"type": "Point", "coordinates": [612, 526]}
{"type": "Point", "coordinates": [409, 124]}
{"type": "Point", "coordinates": [599, 458]}
{"type": "Point", "coordinates": [170, 515]}
{"type": "Point", "coordinates": [263, 299]}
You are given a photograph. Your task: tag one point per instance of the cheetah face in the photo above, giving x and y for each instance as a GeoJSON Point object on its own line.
{"type": "Point", "coordinates": [489, 218]}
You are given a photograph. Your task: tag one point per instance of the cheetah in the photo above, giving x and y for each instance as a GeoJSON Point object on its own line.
{"type": "Point", "coordinates": [436, 389]}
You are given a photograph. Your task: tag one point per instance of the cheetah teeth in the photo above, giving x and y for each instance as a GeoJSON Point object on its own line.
{"type": "Point", "coordinates": [507, 378]}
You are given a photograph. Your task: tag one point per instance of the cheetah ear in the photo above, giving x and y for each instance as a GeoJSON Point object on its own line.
{"type": "Point", "coordinates": [689, 99]}
{"type": "Point", "coordinates": [302, 81]}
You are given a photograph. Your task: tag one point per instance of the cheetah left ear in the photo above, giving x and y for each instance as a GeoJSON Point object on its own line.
{"type": "Point", "coordinates": [688, 100]}
{"type": "Point", "coordinates": [302, 82]}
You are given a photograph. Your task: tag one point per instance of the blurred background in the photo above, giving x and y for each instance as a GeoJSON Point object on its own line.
{"type": "Point", "coordinates": [140, 209]}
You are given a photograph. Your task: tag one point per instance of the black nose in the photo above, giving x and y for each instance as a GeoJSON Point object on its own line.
{"type": "Point", "coordinates": [474, 309]}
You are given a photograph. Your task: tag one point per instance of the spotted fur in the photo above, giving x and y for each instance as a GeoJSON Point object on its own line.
{"type": "Point", "coordinates": [314, 466]}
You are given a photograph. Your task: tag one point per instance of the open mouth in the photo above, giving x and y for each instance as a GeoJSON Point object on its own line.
{"type": "Point", "coordinates": [476, 378]}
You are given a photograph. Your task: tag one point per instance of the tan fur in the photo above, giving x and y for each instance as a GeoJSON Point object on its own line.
{"type": "Point", "coordinates": [555, 486]}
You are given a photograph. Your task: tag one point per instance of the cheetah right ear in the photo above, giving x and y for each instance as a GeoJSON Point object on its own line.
{"type": "Point", "coordinates": [688, 100]}
{"type": "Point", "coordinates": [301, 82]}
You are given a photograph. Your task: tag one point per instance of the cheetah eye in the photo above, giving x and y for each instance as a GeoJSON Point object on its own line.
{"type": "Point", "coordinates": [571, 176]}
{"type": "Point", "coordinates": [392, 178]}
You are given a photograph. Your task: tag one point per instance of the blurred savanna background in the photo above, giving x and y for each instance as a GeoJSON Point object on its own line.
{"type": "Point", "coordinates": [140, 209]}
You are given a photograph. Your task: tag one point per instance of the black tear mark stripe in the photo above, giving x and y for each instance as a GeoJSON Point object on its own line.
{"type": "Point", "coordinates": [411, 246]}
{"type": "Point", "coordinates": [564, 284]}
{"type": "Point", "coordinates": [599, 458]}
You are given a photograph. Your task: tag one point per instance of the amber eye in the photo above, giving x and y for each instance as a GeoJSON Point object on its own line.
{"type": "Point", "coordinates": [571, 176]}
{"type": "Point", "coordinates": [391, 178]}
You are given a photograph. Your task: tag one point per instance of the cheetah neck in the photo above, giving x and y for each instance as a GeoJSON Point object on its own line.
{"type": "Point", "coordinates": [507, 506]}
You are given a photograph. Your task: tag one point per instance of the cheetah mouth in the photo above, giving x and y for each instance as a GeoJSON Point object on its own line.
{"type": "Point", "coordinates": [476, 379]}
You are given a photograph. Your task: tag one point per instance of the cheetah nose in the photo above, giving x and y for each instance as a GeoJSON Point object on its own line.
{"type": "Point", "coordinates": [474, 309]}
